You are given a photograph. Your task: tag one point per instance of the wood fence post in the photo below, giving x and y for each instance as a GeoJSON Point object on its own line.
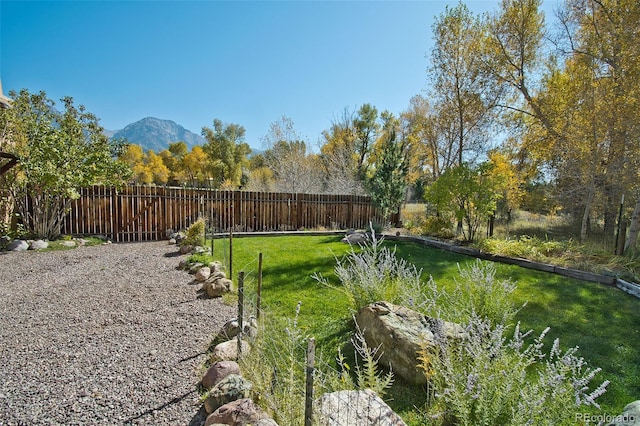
{"type": "Point", "coordinates": [259, 297]}
{"type": "Point", "coordinates": [240, 310]}
{"type": "Point", "coordinates": [308, 397]}
{"type": "Point", "coordinates": [231, 252]}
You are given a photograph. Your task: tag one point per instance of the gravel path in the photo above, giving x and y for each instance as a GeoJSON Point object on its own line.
{"type": "Point", "coordinates": [110, 334]}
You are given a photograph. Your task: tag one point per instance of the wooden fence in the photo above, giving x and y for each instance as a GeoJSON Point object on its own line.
{"type": "Point", "coordinates": [144, 213]}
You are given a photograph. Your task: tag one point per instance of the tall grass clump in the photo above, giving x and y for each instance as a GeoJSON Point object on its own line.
{"type": "Point", "coordinates": [490, 379]}
{"type": "Point", "coordinates": [372, 273]}
{"type": "Point", "coordinates": [276, 366]}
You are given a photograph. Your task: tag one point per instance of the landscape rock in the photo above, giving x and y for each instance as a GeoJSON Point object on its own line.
{"type": "Point", "coordinates": [348, 408]}
{"type": "Point", "coordinates": [216, 274]}
{"type": "Point", "coordinates": [185, 249]}
{"type": "Point", "coordinates": [400, 333]}
{"type": "Point", "coordinates": [356, 238]}
{"type": "Point", "coordinates": [200, 250]}
{"type": "Point", "coordinates": [228, 351]}
{"type": "Point", "coordinates": [629, 417]}
{"type": "Point", "coordinates": [69, 243]}
{"type": "Point", "coordinates": [218, 371]}
{"type": "Point", "coordinates": [195, 267]}
{"type": "Point", "coordinates": [231, 388]}
{"type": "Point", "coordinates": [203, 273]}
{"type": "Point", "coordinates": [172, 241]}
{"type": "Point", "coordinates": [178, 237]}
{"type": "Point", "coordinates": [38, 245]}
{"type": "Point", "coordinates": [217, 288]}
{"type": "Point", "coordinates": [215, 266]}
{"type": "Point", "coordinates": [18, 245]}
{"type": "Point", "coordinates": [230, 329]}
{"type": "Point", "coordinates": [237, 413]}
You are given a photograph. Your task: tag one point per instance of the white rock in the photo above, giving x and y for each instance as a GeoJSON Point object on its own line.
{"type": "Point", "coordinates": [38, 245]}
{"type": "Point", "coordinates": [203, 273]}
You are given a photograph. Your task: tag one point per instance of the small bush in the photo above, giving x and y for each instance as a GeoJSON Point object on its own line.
{"type": "Point", "coordinates": [196, 233]}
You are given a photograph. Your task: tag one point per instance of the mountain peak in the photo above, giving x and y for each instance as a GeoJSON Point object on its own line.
{"type": "Point", "coordinates": [156, 134]}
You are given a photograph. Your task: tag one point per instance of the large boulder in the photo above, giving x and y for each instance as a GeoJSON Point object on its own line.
{"type": "Point", "coordinates": [218, 371]}
{"type": "Point", "coordinates": [238, 413]}
{"type": "Point", "coordinates": [347, 408]}
{"type": "Point", "coordinates": [629, 417]}
{"type": "Point", "coordinates": [401, 333]}
{"type": "Point", "coordinates": [231, 388]}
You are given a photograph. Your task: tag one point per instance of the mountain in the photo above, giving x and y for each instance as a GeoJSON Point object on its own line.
{"type": "Point", "coordinates": [156, 134]}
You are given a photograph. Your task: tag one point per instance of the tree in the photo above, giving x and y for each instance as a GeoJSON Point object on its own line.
{"type": "Point", "coordinates": [465, 94]}
{"type": "Point", "coordinates": [602, 35]}
{"type": "Point", "coordinates": [339, 158]}
{"type": "Point", "coordinates": [173, 157]}
{"type": "Point", "coordinates": [227, 153]}
{"type": "Point", "coordinates": [388, 184]}
{"type": "Point", "coordinates": [469, 193]}
{"type": "Point", "coordinates": [365, 125]}
{"type": "Point", "coordinates": [286, 155]}
{"type": "Point", "coordinates": [59, 153]}
{"type": "Point", "coordinates": [196, 164]}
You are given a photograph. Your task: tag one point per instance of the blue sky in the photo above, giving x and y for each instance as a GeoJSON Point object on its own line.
{"type": "Point", "coordinates": [242, 62]}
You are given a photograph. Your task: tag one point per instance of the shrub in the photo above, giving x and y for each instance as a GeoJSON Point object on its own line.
{"type": "Point", "coordinates": [476, 292]}
{"type": "Point", "coordinates": [488, 379]}
{"type": "Point", "coordinates": [196, 233]}
{"type": "Point", "coordinates": [372, 274]}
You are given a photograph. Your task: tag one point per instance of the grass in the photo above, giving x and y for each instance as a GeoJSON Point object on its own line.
{"type": "Point", "coordinates": [604, 322]}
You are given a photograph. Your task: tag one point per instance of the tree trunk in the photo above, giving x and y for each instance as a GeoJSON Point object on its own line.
{"type": "Point", "coordinates": [635, 228]}
{"type": "Point", "coordinates": [585, 216]}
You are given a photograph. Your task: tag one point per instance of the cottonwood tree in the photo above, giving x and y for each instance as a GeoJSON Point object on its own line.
{"type": "Point", "coordinates": [339, 158]}
{"type": "Point", "coordinates": [365, 127]}
{"type": "Point", "coordinates": [293, 168]}
{"type": "Point", "coordinates": [196, 166]}
{"type": "Point", "coordinates": [603, 34]}
{"type": "Point", "coordinates": [227, 153]}
{"type": "Point", "coordinates": [59, 153]}
{"type": "Point", "coordinates": [147, 168]}
{"type": "Point", "coordinates": [465, 94]}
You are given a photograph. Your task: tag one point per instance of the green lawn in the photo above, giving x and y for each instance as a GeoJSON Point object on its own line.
{"type": "Point", "coordinates": [604, 322]}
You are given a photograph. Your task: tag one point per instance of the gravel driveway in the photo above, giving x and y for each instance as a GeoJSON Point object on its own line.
{"type": "Point", "coordinates": [110, 334]}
